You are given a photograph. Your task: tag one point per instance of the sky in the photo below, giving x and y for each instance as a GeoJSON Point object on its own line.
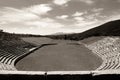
{"type": "Point", "coordinates": [46, 17]}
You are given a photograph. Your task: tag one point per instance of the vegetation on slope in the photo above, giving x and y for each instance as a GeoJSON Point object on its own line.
{"type": "Point", "coordinates": [108, 29]}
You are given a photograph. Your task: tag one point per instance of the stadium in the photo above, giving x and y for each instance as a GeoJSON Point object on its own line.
{"type": "Point", "coordinates": [61, 52]}
{"type": "Point", "coordinates": [60, 39]}
{"type": "Point", "coordinates": [66, 52]}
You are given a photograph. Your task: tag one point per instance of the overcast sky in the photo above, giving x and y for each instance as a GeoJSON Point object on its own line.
{"type": "Point", "coordinates": [56, 16]}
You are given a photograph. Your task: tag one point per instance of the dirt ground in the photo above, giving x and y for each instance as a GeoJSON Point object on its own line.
{"type": "Point", "coordinates": [65, 56]}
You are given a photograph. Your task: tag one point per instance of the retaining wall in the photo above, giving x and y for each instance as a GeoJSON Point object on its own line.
{"type": "Point", "coordinates": [60, 75]}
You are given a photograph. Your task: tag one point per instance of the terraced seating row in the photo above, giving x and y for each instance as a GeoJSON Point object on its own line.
{"type": "Point", "coordinates": [7, 67]}
{"type": "Point", "coordinates": [109, 50]}
{"type": "Point", "coordinates": [10, 51]}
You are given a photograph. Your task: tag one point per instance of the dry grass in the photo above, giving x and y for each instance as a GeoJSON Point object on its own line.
{"type": "Point", "coordinates": [92, 39]}
{"type": "Point", "coordinates": [37, 41]}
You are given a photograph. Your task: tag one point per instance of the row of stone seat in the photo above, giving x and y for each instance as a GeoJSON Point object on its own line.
{"type": "Point", "coordinates": [10, 51]}
{"type": "Point", "coordinates": [7, 60]}
{"type": "Point", "coordinates": [7, 67]}
{"type": "Point", "coordinates": [109, 50]}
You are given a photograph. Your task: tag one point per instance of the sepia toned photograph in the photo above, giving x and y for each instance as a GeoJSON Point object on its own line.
{"type": "Point", "coordinates": [60, 39]}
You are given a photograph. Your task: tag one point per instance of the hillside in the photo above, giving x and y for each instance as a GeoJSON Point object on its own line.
{"type": "Point", "coordinates": [8, 36]}
{"type": "Point", "coordinates": [15, 36]}
{"type": "Point", "coordinates": [108, 29]}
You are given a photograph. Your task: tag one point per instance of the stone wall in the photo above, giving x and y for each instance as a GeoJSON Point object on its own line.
{"type": "Point", "coordinates": [60, 75]}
